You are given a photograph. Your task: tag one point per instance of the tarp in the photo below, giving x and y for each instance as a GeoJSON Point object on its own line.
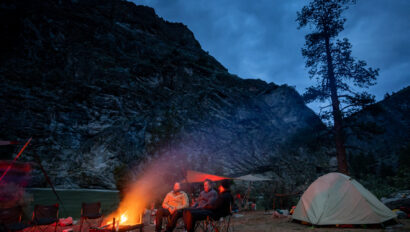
{"type": "Point", "coordinates": [338, 199]}
{"type": "Point", "coordinates": [194, 176]}
{"type": "Point", "coordinates": [251, 177]}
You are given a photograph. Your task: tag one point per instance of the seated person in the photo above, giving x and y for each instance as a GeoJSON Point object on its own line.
{"type": "Point", "coordinates": [207, 196]}
{"type": "Point", "coordinates": [221, 207]}
{"type": "Point", "coordinates": [173, 201]}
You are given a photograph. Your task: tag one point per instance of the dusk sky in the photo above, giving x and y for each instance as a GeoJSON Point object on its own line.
{"type": "Point", "coordinates": [260, 39]}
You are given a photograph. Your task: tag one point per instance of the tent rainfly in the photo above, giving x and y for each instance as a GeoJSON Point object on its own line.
{"type": "Point", "coordinates": [195, 177]}
{"type": "Point", "coordinates": [338, 199]}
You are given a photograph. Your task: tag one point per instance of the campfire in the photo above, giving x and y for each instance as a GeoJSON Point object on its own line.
{"type": "Point", "coordinates": [123, 222]}
{"type": "Point", "coordinates": [129, 214]}
{"type": "Point", "coordinates": [140, 192]}
{"type": "Point", "coordinates": [124, 219]}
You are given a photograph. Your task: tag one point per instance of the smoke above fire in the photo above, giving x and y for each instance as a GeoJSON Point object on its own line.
{"type": "Point", "coordinates": [147, 184]}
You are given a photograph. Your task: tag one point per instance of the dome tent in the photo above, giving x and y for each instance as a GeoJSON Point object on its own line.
{"type": "Point", "coordinates": [338, 199]}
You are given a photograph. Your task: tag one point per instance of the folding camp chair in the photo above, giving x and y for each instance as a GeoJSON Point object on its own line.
{"type": "Point", "coordinates": [10, 219]}
{"type": "Point", "coordinates": [178, 227]}
{"type": "Point", "coordinates": [91, 214]}
{"type": "Point", "coordinates": [223, 224]}
{"type": "Point", "coordinates": [44, 216]}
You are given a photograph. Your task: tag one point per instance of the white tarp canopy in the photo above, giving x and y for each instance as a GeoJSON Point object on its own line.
{"type": "Point", "coordinates": [251, 177]}
{"type": "Point", "coordinates": [338, 199]}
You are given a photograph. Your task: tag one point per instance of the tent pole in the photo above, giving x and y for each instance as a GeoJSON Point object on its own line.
{"type": "Point", "coordinates": [49, 181]}
{"type": "Point", "coordinates": [14, 160]}
{"type": "Point", "coordinates": [247, 195]}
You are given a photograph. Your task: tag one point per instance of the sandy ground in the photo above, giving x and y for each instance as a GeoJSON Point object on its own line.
{"type": "Point", "coordinates": [261, 222]}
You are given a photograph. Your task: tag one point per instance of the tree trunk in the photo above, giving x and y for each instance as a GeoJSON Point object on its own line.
{"type": "Point", "coordinates": [337, 115]}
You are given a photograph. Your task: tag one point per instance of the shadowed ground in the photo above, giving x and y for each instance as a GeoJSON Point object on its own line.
{"type": "Point", "coordinates": [260, 222]}
{"type": "Point", "coordinates": [249, 222]}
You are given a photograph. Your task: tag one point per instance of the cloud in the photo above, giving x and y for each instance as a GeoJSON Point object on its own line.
{"type": "Point", "coordinates": [260, 39]}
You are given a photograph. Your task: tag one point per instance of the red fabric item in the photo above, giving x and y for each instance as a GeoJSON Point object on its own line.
{"type": "Point", "coordinates": [346, 226]}
{"type": "Point", "coordinates": [194, 176]}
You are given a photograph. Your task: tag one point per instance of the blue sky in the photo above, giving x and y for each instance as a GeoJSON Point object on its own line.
{"type": "Point", "coordinates": [260, 39]}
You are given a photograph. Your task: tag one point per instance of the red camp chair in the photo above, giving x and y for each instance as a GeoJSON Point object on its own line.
{"type": "Point", "coordinates": [10, 219]}
{"type": "Point", "coordinates": [91, 215]}
{"type": "Point", "coordinates": [44, 216]}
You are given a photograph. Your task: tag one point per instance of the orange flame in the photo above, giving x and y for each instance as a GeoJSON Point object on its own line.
{"type": "Point", "coordinates": [151, 185]}
{"type": "Point", "coordinates": [123, 218]}
{"type": "Point", "coordinates": [131, 208]}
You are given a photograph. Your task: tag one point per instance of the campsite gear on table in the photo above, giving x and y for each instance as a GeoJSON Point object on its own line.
{"type": "Point", "coordinates": [251, 178]}
{"type": "Point", "coordinates": [44, 216]}
{"type": "Point", "coordinates": [338, 199]}
{"type": "Point", "coordinates": [91, 214]}
{"type": "Point", "coordinates": [10, 219]}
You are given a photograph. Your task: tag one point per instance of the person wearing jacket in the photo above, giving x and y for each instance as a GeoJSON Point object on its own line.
{"type": "Point", "coordinates": [174, 201]}
{"type": "Point", "coordinates": [207, 196]}
{"type": "Point", "coordinates": [221, 207]}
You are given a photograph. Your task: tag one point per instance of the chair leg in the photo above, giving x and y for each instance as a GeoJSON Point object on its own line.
{"type": "Point", "coordinates": [81, 223]}
{"type": "Point", "coordinates": [228, 224]}
{"type": "Point", "coordinates": [101, 220]}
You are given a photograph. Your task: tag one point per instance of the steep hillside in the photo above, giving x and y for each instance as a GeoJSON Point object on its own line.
{"type": "Point", "coordinates": [384, 132]}
{"type": "Point", "coordinates": [103, 85]}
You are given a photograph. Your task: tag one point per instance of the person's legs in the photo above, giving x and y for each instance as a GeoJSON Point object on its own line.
{"type": "Point", "coordinates": [174, 219]}
{"type": "Point", "coordinates": [158, 218]}
{"type": "Point", "coordinates": [193, 215]}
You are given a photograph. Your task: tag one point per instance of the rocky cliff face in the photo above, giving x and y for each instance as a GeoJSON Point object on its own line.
{"type": "Point", "coordinates": [106, 84]}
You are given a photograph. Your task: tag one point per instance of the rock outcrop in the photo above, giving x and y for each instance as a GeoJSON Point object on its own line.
{"type": "Point", "coordinates": [105, 84]}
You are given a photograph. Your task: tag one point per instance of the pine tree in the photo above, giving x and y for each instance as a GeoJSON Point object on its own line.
{"type": "Point", "coordinates": [337, 73]}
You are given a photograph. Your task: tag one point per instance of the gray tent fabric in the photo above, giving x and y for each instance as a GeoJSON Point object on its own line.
{"type": "Point", "coordinates": [338, 199]}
